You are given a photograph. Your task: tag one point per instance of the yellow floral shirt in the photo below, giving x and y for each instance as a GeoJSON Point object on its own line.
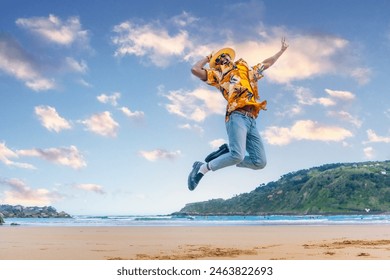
{"type": "Point", "coordinates": [238, 85]}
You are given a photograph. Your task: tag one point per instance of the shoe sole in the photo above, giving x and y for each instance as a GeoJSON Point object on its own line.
{"type": "Point", "coordinates": [222, 150]}
{"type": "Point", "coordinates": [195, 169]}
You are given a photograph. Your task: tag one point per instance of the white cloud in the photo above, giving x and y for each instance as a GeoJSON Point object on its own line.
{"type": "Point", "coordinates": [76, 66]}
{"type": "Point", "coordinates": [70, 156]}
{"type": "Point", "coordinates": [345, 116]}
{"type": "Point", "coordinates": [184, 19]}
{"type": "Point", "coordinates": [21, 194]}
{"type": "Point", "coordinates": [362, 75]}
{"type": "Point", "coordinates": [326, 101]}
{"type": "Point", "coordinates": [216, 143]}
{"type": "Point", "coordinates": [343, 95]}
{"type": "Point", "coordinates": [374, 138]}
{"type": "Point", "coordinates": [289, 110]}
{"type": "Point", "coordinates": [305, 130]}
{"type": "Point", "coordinates": [132, 115]}
{"type": "Point", "coordinates": [369, 152]}
{"type": "Point", "coordinates": [306, 57]}
{"type": "Point", "coordinates": [149, 40]}
{"type": "Point", "coordinates": [50, 119]}
{"type": "Point", "coordinates": [195, 105]}
{"type": "Point", "coordinates": [194, 127]}
{"type": "Point", "coordinates": [91, 188]}
{"type": "Point", "coordinates": [40, 84]}
{"type": "Point", "coordinates": [102, 124]}
{"type": "Point", "coordinates": [7, 154]}
{"type": "Point", "coordinates": [305, 97]}
{"type": "Point", "coordinates": [54, 30]}
{"type": "Point", "coordinates": [30, 66]}
{"type": "Point", "coordinates": [110, 99]}
{"type": "Point", "coordinates": [159, 154]}
{"type": "Point", "coordinates": [16, 62]}
{"type": "Point", "coordinates": [278, 135]}
{"type": "Point", "coordinates": [387, 113]}
{"type": "Point", "coordinates": [85, 83]}
{"type": "Point", "coordinates": [113, 100]}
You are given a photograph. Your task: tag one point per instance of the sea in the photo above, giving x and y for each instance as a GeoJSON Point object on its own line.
{"type": "Point", "coordinates": [177, 221]}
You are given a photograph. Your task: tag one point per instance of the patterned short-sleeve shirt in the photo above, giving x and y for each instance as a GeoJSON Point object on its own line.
{"type": "Point", "coordinates": [238, 85]}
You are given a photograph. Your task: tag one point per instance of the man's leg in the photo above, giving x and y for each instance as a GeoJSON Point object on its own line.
{"type": "Point", "coordinates": [237, 128]}
{"type": "Point", "coordinates": [255, 148]}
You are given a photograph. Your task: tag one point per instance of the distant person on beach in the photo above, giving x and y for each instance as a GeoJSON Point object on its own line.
{"type": "Point", "coordinates": [238, 85]}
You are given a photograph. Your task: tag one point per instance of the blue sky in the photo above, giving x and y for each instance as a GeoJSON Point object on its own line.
{"type": "Point", "coordinates": [100, 113]}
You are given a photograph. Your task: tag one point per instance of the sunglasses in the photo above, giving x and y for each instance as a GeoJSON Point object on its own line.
{"type": "Point", "coordinates": [218, 59]}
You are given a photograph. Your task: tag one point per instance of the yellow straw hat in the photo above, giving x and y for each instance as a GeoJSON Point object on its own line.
{"type": "Point", "coordinates": [228, 51]}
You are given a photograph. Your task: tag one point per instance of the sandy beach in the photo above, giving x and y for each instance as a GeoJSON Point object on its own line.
{"type": "Point", "coordinates": [185, 243]}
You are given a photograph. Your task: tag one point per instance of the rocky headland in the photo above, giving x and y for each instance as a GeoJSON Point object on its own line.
{"type": "Point", "coordinates": [18, 211]}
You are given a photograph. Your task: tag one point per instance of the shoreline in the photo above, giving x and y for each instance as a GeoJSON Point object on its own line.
{"type": "Point", "coordinates": [267, 214]}
{"type": "Point", "coordinates": [282, 242]}
{"type": "Point", "coordinates": [194, 221]}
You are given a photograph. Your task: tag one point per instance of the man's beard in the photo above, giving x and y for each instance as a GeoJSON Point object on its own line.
{"type": "Point", "coordinates": [224, 68]}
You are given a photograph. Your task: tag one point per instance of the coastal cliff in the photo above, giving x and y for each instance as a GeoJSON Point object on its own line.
{"type": "Point", "coordinates": [339, 188]}
{"type": "Point", "coordinates": [18, 211]}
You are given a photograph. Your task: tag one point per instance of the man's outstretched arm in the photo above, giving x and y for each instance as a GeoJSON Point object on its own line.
{"type": "Point", "coordinates": [271, 60]}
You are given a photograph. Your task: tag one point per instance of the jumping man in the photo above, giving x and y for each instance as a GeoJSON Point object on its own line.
{"type": "Point", "coordinates": [238, 85]}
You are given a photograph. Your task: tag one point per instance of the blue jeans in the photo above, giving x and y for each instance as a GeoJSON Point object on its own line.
{"type": "Point", "coordinates": [243, 137]}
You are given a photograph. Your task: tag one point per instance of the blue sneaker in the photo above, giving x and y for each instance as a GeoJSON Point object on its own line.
{"type": "Point", "coordinates": [221, 150]}
{"type": "Point", "coordinates": [195, 175]}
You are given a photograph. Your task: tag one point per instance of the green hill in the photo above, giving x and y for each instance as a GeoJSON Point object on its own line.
{"type": "Point", "coordinates": [342, 188]}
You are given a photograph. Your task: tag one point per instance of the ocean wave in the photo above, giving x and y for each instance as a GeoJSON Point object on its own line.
{"type": "Point", "coordinates": [168, 220]}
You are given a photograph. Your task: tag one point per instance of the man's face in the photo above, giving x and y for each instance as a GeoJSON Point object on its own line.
{"type": "Point", "coordinates": [223, 59]}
